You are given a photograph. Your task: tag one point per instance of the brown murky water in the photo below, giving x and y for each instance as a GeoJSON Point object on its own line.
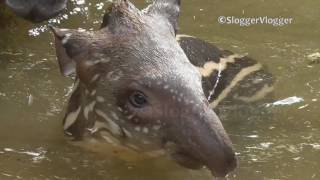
{"type": "Point", "coordinates": [285, 145]}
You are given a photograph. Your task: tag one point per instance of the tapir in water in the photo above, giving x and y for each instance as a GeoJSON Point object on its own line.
{"type": "Point", "coordinates": [37, 10]}
{"type": "Point", "coordinates": [139, 85]}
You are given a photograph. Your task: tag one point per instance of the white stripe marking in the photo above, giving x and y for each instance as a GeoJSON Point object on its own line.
{"type": "Point", "coordinates": [71, 118]}
{"type": "Point", "coordinates": [88, 109]}
{"type": "Point", "coordinates": [209, 67]}
{"type": "Point", "coordinates": [74, 87]}
{"type": "Point", "coordinates": [94, 78]}
{"type": "Point", "coordinates": [93, 92]}
{"type": "Point", "coordinates": [113, 127]}
{"type": "Point", "coordinates": [266, 89]}
{"type": "Point", "coordinates": [179, 36]}
{"type": "Point", "coordinates": [240, 76]}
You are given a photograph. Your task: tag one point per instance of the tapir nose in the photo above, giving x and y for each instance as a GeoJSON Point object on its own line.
{"type": "Point", "coordinates": [200, 134]}
{"type": "Point", "coordinates": [217, 151]}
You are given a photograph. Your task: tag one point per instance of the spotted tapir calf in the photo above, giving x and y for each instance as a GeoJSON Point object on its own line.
{"type": "Point", "coordinates": [140, 86]}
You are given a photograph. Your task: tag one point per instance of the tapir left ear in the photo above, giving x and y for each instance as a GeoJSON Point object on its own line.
{"type": "Point", "coordinates": [170, 9]}
{"type": "Point", "coordinates": [71, 47]}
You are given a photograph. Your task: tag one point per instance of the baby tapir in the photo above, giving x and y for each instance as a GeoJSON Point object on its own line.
{"type": "Point", "coordinates": [137, 87]}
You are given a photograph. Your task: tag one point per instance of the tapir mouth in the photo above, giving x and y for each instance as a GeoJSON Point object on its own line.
{"type": "Point", "coordinates": [188, 161]}
{"type": "Point", "coordinates": [182, 158]}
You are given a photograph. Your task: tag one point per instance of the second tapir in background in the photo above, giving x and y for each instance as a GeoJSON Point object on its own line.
{"type": "Point", "coordinates": [37, 10]}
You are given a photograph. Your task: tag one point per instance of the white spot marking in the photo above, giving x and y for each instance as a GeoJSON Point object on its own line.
{"type": "Point", "coordinates": [156, 127]}
{"type": "Point", "coordinates": [100, 99]}
{"type": "Point", "coordinates": [137, 128]}
{"type": "Point", "coordinates": [66, 38]}
{"type": "Point", "coordinates": [145, 130]}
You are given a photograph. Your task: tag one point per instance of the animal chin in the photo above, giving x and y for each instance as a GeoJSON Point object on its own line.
{"type": "Point", "coordinates": [181, 157]}
{"type": "Point", "coordinates": [186, 160]}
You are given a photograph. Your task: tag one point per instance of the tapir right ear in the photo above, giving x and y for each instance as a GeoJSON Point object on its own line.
{"type": "Point", "coordinates": [170, 9]}
{"type": "Point", "coordinates": [71, 47]}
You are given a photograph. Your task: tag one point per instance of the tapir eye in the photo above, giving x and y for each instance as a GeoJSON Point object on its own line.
{"type": "Point", "coordinates": [138, 99]}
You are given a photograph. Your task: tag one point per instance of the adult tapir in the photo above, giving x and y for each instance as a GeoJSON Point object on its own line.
{"type": "Point", "coordinates": [36, 10]}
{"type": "Point", "coordinates": [140, 86]}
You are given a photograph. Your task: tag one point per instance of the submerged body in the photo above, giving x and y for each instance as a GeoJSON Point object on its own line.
{"type": "Point", "coordinates": [37, 10]}
{"type": "Point", "coordinates": [142, 90]}
{"type": "Point", "coordinates": [227, 78]}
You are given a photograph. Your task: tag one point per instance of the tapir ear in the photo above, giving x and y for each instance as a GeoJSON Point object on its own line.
{"type": "Point", "coordinates": [170, 9]}
{"type": "Point", "coordinates": [71, 46]}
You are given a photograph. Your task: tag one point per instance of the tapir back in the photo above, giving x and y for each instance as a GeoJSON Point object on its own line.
{"type": "Point", "coordinates": [228, 78]}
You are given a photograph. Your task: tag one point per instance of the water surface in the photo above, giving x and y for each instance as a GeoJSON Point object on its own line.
{"type": "Point", "coordinates": [285, 145]}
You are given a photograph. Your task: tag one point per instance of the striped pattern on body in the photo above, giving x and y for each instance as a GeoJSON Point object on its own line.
{"type": "Point", "coordinates": [227, 77]}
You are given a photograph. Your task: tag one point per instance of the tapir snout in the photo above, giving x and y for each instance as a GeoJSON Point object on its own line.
{"type": "Point", "coordinates": [202, 141]}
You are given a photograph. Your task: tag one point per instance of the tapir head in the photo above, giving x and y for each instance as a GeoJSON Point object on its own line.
{"type": "Point", "coordinates": [135, 82]}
